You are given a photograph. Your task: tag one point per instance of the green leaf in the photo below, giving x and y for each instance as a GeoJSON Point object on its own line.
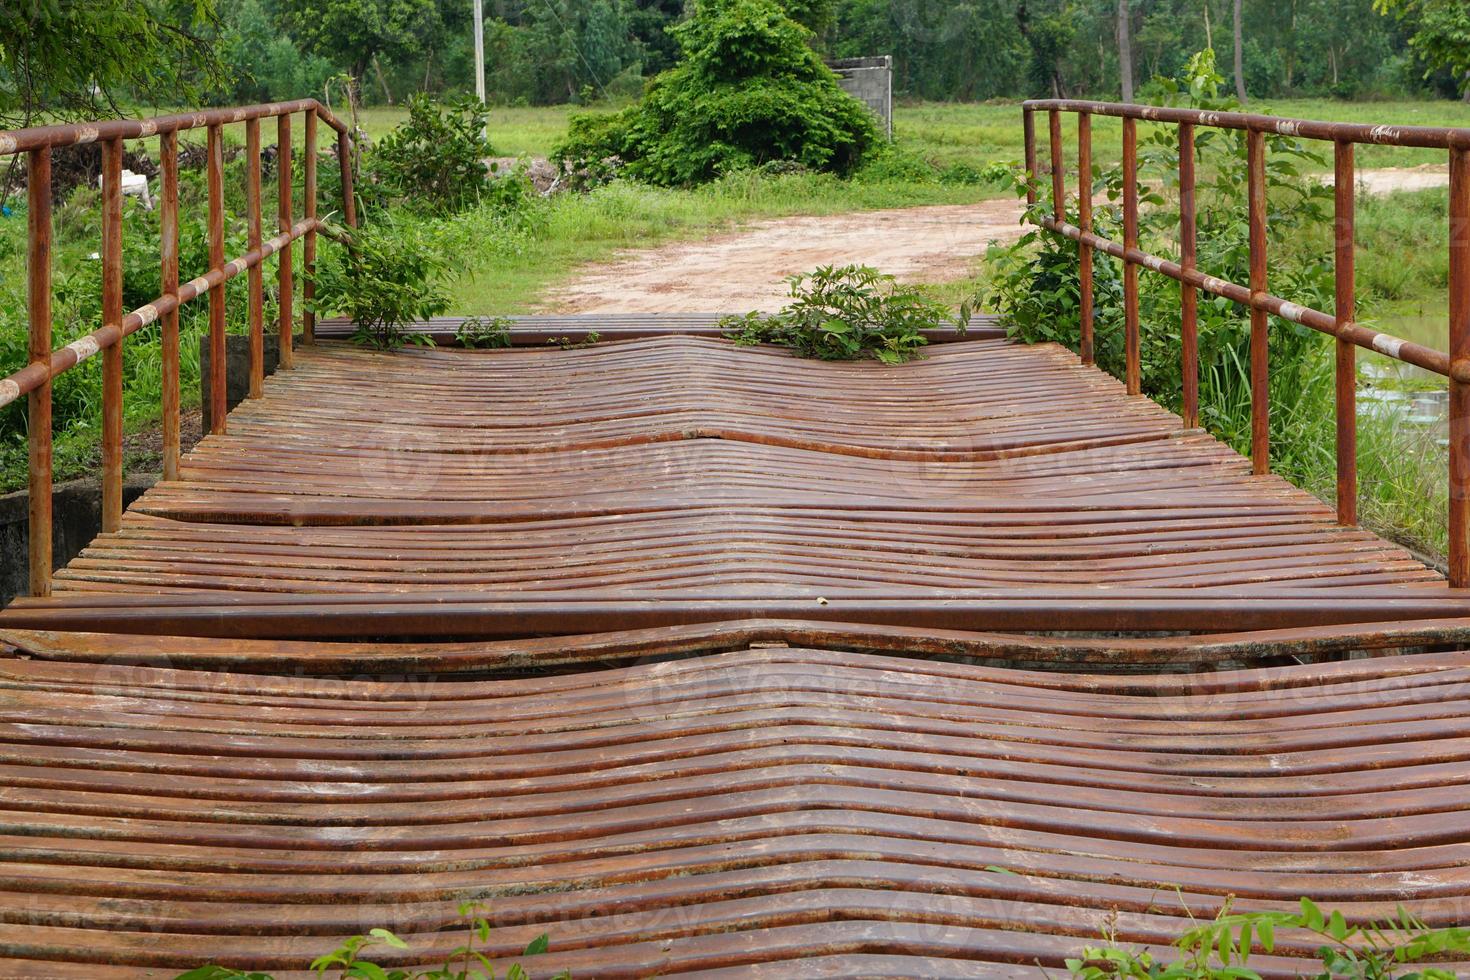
{"type": "Point", "coordinates": [538, 945]}
{"type": "Point", "coordinates": [388, 939]}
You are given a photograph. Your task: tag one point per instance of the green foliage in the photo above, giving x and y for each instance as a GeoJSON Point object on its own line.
{"type": "Point", "coordinates": [1035, 287]}
{"type": "Point", "coordinates": [749, 91]}
{"type": "Point", "coordinates": [1221, 950]}
{"type": "Point", "coordinates": [1441, 33]}
{"type": "Point", "coordinates": [436, 159]}
{"type": "Point", "coordinates": [466, 962]}
{"type": "Point", "coordinates": [350, 33]}
{"type": "Point", "coordinates": [262, 64]}
{"type": "Point", "coordinates": [848, 314]}
{"type": "Point", "coordinates": [388, 280]}
{"type": "Point", "coordinates": [481, 331]}
{"type": "Point", "coordinates": [80, 58]}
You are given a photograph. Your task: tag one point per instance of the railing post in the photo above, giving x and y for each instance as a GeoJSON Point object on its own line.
{"type": "Point", "coordinates": [38, 417]}
{"type": "Point", "coordinates": [349, 199]}
{"type": "Point", "coordinates": [285, 279]}
{"type": "Point", "coordinates": [1084, 221]}
{"type": "Point", "coordinates": [1188, 295]}
{"type": "Point", "coordinates": [308, 242]}
{"type": "Point", "coordinates": [1345, 312]}
{"type": "Point", "coordinates": [168, 254]}
{"type": "Point", "coordinates": [254, 276]}
{"type": "Point", "coordinates": [1130, 242]}
{"type": "Point", "coordinates": [1260, 351]}
{"type": "Point", "coordinates": [1459, 563]}
{"type": "Point", "coordinates": [1028, 130]}
{"type": "Point", "coordinates": [112, 356]}
{"type": "Point", "coordinates": [218, 396]}
{"type": "Point", "coordinates": [1058, 176]}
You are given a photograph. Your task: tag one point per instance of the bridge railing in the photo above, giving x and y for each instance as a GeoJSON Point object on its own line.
{"type": "Point", "coordinates": [1453, 364]}
{"type": "Point", "coordinates": [45, 363]}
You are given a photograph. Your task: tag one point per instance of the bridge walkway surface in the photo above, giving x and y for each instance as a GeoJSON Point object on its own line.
{"type": "Point", "coordinates": [710, 661]}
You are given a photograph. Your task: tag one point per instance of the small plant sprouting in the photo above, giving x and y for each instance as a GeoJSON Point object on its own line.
{"type": "Point", "coordinates": [485, 332]}
{"type": "Point", "coordinates": [1221, 950]}
{"type": "Point", "coordinates": [567, 343]}
{"type": "Point", "coordinates": [849, 313]}
{"type": "Point", "coordinates": [465, 962]}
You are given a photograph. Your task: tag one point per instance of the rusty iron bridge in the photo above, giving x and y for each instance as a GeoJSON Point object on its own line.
{"type": "Point", "coordinates": [711, 661]}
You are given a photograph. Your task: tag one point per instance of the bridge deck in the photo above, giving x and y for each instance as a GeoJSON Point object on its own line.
{"type": "Point", "coordinates": [722, 816]}
{"type": "Point", "coordinates": [677, 479]}
{"type": "Point", "coordinates": [773, 550]}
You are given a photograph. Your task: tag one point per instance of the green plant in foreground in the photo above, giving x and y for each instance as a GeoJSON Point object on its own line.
{"type": "Point", "coordinates": [464, 963]}
{"type": "Point", "coordinates": [387, 280]}
{"type": "Point", "coordinates": [1221, 950]}
{"type": "Point", "coordinates": [848, 313]}
{"type": "Point", "coordinates": [486, 332]}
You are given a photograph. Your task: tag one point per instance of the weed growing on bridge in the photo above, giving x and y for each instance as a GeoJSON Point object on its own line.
{"type": "Point", "coordinates": [846, 314]}
{"type": "Point", "coordinates": [466, 962]}
{"type": "Point", "coordinates": [485, 332]}
{"type": "Point", "coordinates": [390, 279]}
{"type": "Point", "coordinates": [1221, 950]}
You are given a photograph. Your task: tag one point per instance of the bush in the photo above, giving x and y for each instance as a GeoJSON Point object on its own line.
{"type": "Point", "coordinates": [847, 314]}
{"type": "Point", "coordinates": [388, 280]}
{"type": "Point", "coordinates": [436, 159]}
{"type": "Point", "coordinates": [749, 91]}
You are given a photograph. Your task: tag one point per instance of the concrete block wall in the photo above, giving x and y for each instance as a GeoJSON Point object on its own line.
{"type": "Point", "coordinates": [870, 81]}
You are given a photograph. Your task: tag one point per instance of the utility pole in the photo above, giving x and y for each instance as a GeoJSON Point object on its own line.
{"type": "Point", "coordinates": [480, 56]}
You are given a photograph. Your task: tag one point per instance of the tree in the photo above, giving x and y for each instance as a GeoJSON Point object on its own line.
{"type": "Point", "coordinates": [1239, 55]}
{"type": "Point", "coordinates": [73, 60]}
{"type": "Point", "coordinates": [749, 91]}
{"type": "Point", "coordinates": [1441, 33]}
{"type": "Point", "coordinates": [353, 33]}
{"type": "Point", "coordinates": [1125, 50]}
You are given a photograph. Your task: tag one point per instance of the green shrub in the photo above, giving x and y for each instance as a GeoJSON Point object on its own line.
{"type": "Point", "coordinates": [464, 963]}
{"type": "Point", "coordinates": [436, 159]}
{"type": "Point", "coordinates": [1035, 284]}
{"type": "Point", "coordinates": [490, 332]}
{"type": "Point", "coordinates": [847, 314]}
{"type": "Point", "coordinates": [749, 91]}
{"type": "Point", "coordinates": [1221, 950]}
{"type": "Point", "coordinates": [388, 280]}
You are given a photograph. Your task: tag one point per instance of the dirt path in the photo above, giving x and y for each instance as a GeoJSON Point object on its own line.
{"type": "Point", "coordinates": [743, 270]}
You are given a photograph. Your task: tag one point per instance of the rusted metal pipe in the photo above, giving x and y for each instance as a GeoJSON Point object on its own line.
{"type": "Point", "coordinates": [308, 244]}
{"type": "Point", "coordinates": [1188, 294]}
{"type": "Point", "coordinates": [168, 253]}
{"type": "Point", "coordinates": [38, 417]}
{"type": "Point", "coordinates": [1134, 373]}
{"type": "Point", "coordinates": [1260, 350]}
{"type": "Point", "coordinates": [71, 134]}
{"type": "Point", "coordinates": [1346, 360]}
{"type": "Point", "coordinates": [256, 285]}
{"type": "Point", "coordinates": [349, 198]}
{"type": "Point", "coordinates": [112, 357]}
{"type": "Point", "coordinates": [1459, 521]}
{"type": "Point", "coordinates": [1058, 173]}
{"type": "Point", "coordinates": [1084, 250]}
{"type": "Point", "coordinates": [1028, 130]}
{"type": "Point", "coordinates": [1432, 137]}
{"type": "Point", "coordinates": [218, 396]}
{"type": "Point", "coordinates": [285, 280]}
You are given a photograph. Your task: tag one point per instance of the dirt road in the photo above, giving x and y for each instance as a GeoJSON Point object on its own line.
{"type": "Point", "coordinates": [743, 270]}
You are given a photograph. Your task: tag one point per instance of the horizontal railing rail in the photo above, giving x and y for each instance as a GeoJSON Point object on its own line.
{"type": "Point", "coordinates": [45, 363]}
{"type": "Point", "coordinates": [1452, 364]}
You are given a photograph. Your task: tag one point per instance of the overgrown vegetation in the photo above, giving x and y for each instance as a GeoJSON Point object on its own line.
{"type": "Point", "coordinates": [466, 962]}
{"type": "Point", "coordinates": [436, 159]}
{"type": "Point", "coordinates": [846, 314]}
{"type": "Point", "coordinates": [1035, 286]}
{"type": "Point", "coordinates": [1222, 949]}
{"type": "Point", "coordinates": [749, 92]}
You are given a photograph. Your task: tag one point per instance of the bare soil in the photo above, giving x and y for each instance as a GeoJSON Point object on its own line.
{"type": "Point", "coordinates": [744, 270]}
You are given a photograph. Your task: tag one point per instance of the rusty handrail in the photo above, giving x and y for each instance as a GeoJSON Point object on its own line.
{"type": "Point", "coordinates": [1453, 364]}
{"type": "Point", "coordinates": [45, 363]}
